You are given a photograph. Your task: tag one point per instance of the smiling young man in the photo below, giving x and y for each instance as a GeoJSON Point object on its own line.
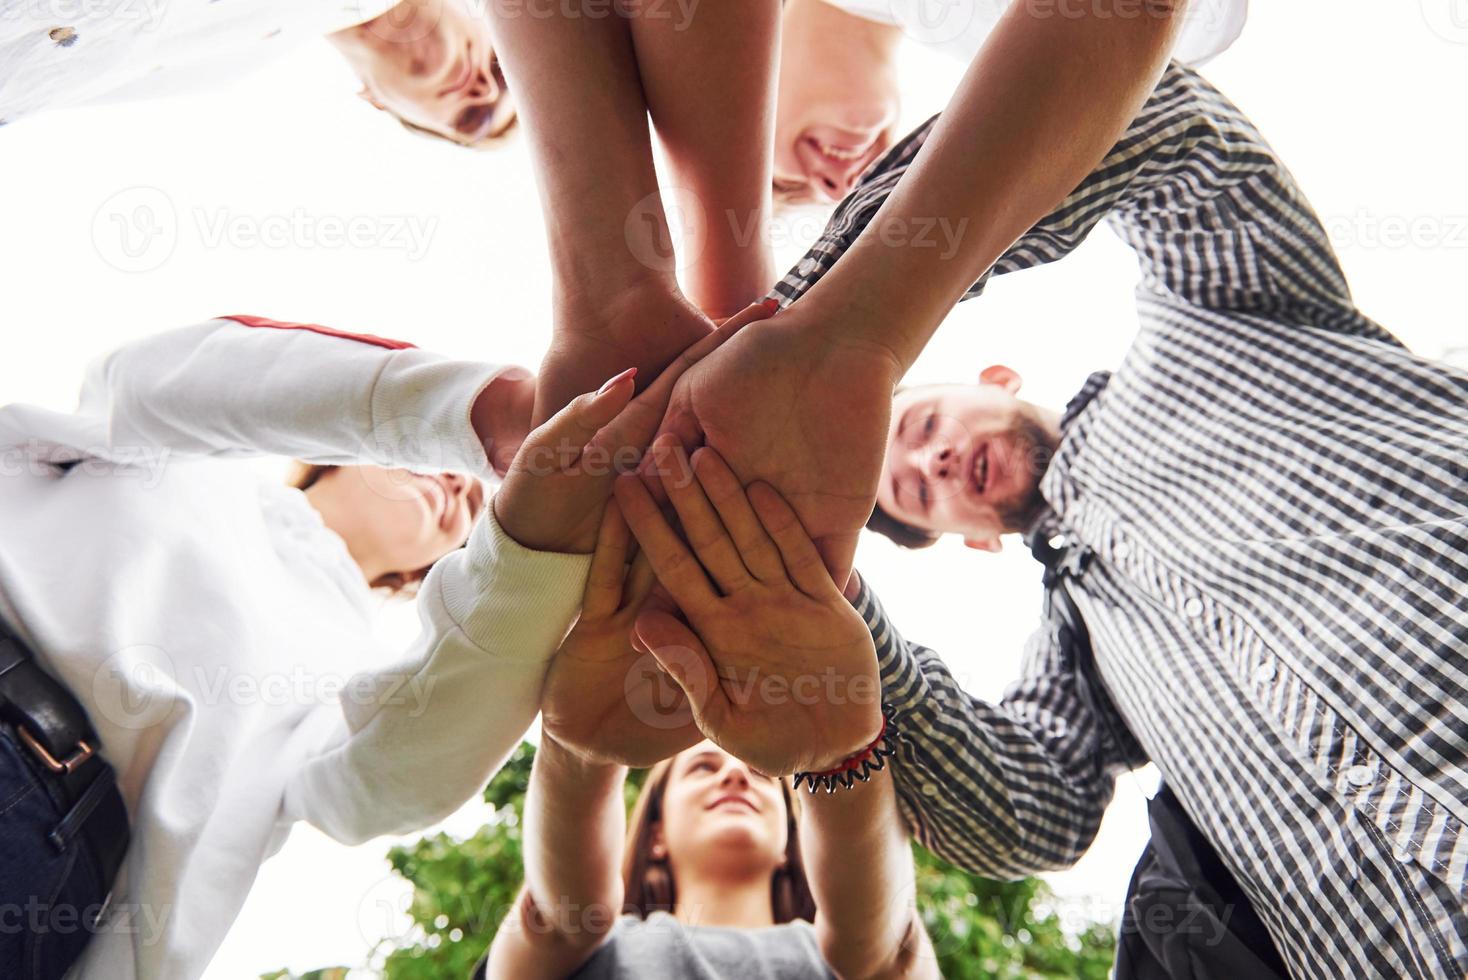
{"type": "Point", "coordinates": [1254, 533]}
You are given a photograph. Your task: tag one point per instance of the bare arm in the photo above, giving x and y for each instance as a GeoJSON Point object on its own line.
{"type": "Point", "coordinates": [859, 863]}
{"type": "Point", "coordinates": [575, 823]}
{"type": "Point", "coordinates": [708, 73]}
{"type": "Point", "coordinates": [582, 99]}
{"type": "Point", "coordinates": [1044, 100]}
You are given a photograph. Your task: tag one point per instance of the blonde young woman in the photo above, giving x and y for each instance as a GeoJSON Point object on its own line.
{"type": "Point", "coordinates": [720, 876]}
{"type": "Point", "coordinates": [186, 646]}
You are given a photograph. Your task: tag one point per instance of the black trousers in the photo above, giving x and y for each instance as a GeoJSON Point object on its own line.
{"type": "Point", "coordinates": [1186, 917]}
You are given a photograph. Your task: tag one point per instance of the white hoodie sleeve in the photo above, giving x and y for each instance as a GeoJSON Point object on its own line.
{"type": "Point", "coordinates": [245, 386]}
{"type": "Point", "coordinates": [406, 744]}
{"type": "Point", "coordinates": [422, 737]}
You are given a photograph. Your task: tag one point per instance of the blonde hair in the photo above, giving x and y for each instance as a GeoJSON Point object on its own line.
{"type": "Point", "coordinates": [397, 585]}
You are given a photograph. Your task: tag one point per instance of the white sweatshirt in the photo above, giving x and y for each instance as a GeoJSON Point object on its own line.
{"type": "Point", "coordinates": [219, 634]}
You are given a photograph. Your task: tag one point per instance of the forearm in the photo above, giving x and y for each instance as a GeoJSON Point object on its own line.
{"type": "Point", "coordinates": [575, 823]}
{"type": "Point", "coordinates": [1002, 790]}
{"type": "Point", "coordinates": [583, 111]}
{"type": "Point", "coordinates": [413, 741]}
{"type": "Point", "coordinates": [1044, 100]}
{"type": "Point", "coordinates": [709, 80]}
{"type": "Point", "coordinates": [859, 863]}
{"type": "Point", "coordinates": [224, 388]}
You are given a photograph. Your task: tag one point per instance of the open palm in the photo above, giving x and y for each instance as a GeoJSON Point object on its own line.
{"type": "Point", "coordinates": [605, 700]}
{"type": "Point", "coordinates": [777, 666]}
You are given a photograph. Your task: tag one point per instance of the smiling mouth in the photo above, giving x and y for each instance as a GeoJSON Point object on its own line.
{"type": "Point", "coordinates": [980, 470]}
{"type": "Point", "coordinates": [735, 800]}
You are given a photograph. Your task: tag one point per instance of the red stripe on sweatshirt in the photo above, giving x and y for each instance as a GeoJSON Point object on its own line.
{"type": "Point", "coordinates": [361, 338]}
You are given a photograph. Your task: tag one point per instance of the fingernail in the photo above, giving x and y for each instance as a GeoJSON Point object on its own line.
{"type": "Point", "coordinates": [773, 305]}
{"type": "Point", "coordinates": [613, 382]}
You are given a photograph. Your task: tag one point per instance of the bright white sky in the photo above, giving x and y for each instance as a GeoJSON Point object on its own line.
{"type": "Point", "coordinates": [1362, 99]}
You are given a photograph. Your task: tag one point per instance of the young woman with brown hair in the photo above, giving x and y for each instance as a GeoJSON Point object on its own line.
{"type": "Point", "coordinates": [722, 876]}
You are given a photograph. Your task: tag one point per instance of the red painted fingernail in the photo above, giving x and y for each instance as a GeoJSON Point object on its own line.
{"type": "Point", "coordinates": [613, 382]}
{"type": "Point", "coordinates": [773, 305]}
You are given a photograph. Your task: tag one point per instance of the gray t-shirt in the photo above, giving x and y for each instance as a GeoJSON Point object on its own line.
{"type": "Point", "coordinates": [662, 948]}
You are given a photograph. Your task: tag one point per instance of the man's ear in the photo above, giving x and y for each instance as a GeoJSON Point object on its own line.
{"type": "Point", "coordinates": [992, 545]}
{"type": "Point", "coordinates": [1003, 377]}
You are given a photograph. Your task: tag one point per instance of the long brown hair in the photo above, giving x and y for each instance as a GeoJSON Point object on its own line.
{"type": "Point", "coordinates": [398, 585]}
{"type": "Point", "coordinates": [648, 881]}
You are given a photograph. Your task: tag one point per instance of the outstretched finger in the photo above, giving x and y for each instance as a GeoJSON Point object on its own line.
{"type": "Point", "coordinates": [802, 561]}
{"type": "Point", "coordinates": [676, 568]}
{"type": "Point", "coordinates": [569, 431]}
{"type": "Point", "coordinates": [604, 582]}
{"type": "Point", "coordinates": [702, 528]}
{"type": "Point", "coordinates": [727, 495]}
{"type": "Point", "coordinates": [640, 580]}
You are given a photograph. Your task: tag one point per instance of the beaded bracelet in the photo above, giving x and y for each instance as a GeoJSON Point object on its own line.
{"type": "Point", "coordinates": [859, 767]}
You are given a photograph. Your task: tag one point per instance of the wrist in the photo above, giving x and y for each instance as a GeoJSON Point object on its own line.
{"type": "Point", "coordinates": [575, 767]}
{"type": "Point", "coordinates": [501, 416]}
{"type": "Point", "coordinates": [856, 765]}
{"type": "Point", "coordinates": [589, 306]}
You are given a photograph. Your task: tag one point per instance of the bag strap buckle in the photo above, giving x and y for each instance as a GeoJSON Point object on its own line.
{"type": "Point", "coordinates": [82, 754]}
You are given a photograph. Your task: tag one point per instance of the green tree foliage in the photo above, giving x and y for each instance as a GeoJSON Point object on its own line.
{"type": "Point", "coordinates": [462, 891]}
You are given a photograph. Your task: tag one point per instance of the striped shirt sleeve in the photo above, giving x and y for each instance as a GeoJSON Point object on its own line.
{"type": "Point", "coordinates": [1215, 218]}
{"type": "Point", "coordinates": [1000, 790]}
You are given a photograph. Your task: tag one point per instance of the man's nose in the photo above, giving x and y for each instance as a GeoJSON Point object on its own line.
{"type": "Point", "coordinates": [941, 462]}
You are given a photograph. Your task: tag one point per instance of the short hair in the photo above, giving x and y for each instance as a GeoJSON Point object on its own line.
{"type": "Point", "coordinates": [900, 533]}
{"type": "Point", "coordinates": [490, 142]}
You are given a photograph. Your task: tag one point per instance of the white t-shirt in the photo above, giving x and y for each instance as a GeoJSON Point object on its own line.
{"type": "Point", "coordinates": [960, 27]}
{"type": "Point", "coordinates": [220, 635]}
{"type": "Point", "coordinates": [83, 51]}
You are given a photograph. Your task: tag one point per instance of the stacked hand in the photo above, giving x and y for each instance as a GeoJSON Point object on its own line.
{"type": "Point", "coordinates": [559, 481]}
{"type": "Point", "coordinates": [605, 700]}
{"type": "Point", "coordinates": [777, 666]}
{"type": "Point", "coordinates": [647, 327]}
{"type": "Point", "coordinates": [806, 411]}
